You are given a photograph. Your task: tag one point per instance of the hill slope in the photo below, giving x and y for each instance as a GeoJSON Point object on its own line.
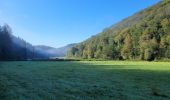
{"type": "Point", "coordinates": [145, 36]}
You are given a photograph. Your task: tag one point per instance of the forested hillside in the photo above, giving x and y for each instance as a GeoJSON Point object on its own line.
{"type": "Point", "coordinates": [145, 36]}
{"type": "Point", "coordinates": [15, 48]}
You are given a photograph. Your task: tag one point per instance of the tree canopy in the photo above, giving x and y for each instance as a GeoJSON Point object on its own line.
{"type": "Point", "coordinates": [145, 36]}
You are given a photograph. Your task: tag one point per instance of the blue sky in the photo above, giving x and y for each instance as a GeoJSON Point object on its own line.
{"type": "Point", "coordinates": [60, 22]}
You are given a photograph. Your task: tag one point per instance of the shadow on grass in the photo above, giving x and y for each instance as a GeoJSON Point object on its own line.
{"type": "Point", "coordinates": [76, 80]}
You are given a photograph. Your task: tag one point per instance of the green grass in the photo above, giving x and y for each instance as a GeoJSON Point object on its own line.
{"type": "Point", "coordinates": [85, 80]}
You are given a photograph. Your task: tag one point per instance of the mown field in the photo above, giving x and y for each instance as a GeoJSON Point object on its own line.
{"type": "Point", "coordinates": [85, 80]}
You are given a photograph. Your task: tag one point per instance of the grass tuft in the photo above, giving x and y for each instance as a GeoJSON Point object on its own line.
{"type": "Point", "coordinates": [158, 92]}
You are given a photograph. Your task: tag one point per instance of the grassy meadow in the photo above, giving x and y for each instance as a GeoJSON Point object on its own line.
{"type": "Point", "coordinates": [84, 80]}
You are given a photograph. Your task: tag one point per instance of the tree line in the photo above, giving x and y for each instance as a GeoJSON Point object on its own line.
{"type": "Point", "coordinates": [15, 48]}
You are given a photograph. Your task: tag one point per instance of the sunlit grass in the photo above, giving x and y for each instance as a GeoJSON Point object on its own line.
{"type": "Point", "coordinates": [133, 64]}
{"type": "Point", "coordinates": [86, 80]}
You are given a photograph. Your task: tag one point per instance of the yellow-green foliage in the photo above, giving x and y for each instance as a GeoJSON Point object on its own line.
{"type": "Point", "coordinates": [141, 36]}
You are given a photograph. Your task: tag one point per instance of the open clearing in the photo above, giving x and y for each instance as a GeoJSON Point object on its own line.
{"type": "Point", "coordinates": [85, 80]}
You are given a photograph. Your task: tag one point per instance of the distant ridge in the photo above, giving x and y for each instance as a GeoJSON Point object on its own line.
{"type": "Point", "coordinates": [54, 52]}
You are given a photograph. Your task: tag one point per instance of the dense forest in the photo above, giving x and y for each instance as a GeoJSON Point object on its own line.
{"type": "Point", "coordinates": [15, 48]}
{"type": "Point", "coordinates": [145, 36]}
